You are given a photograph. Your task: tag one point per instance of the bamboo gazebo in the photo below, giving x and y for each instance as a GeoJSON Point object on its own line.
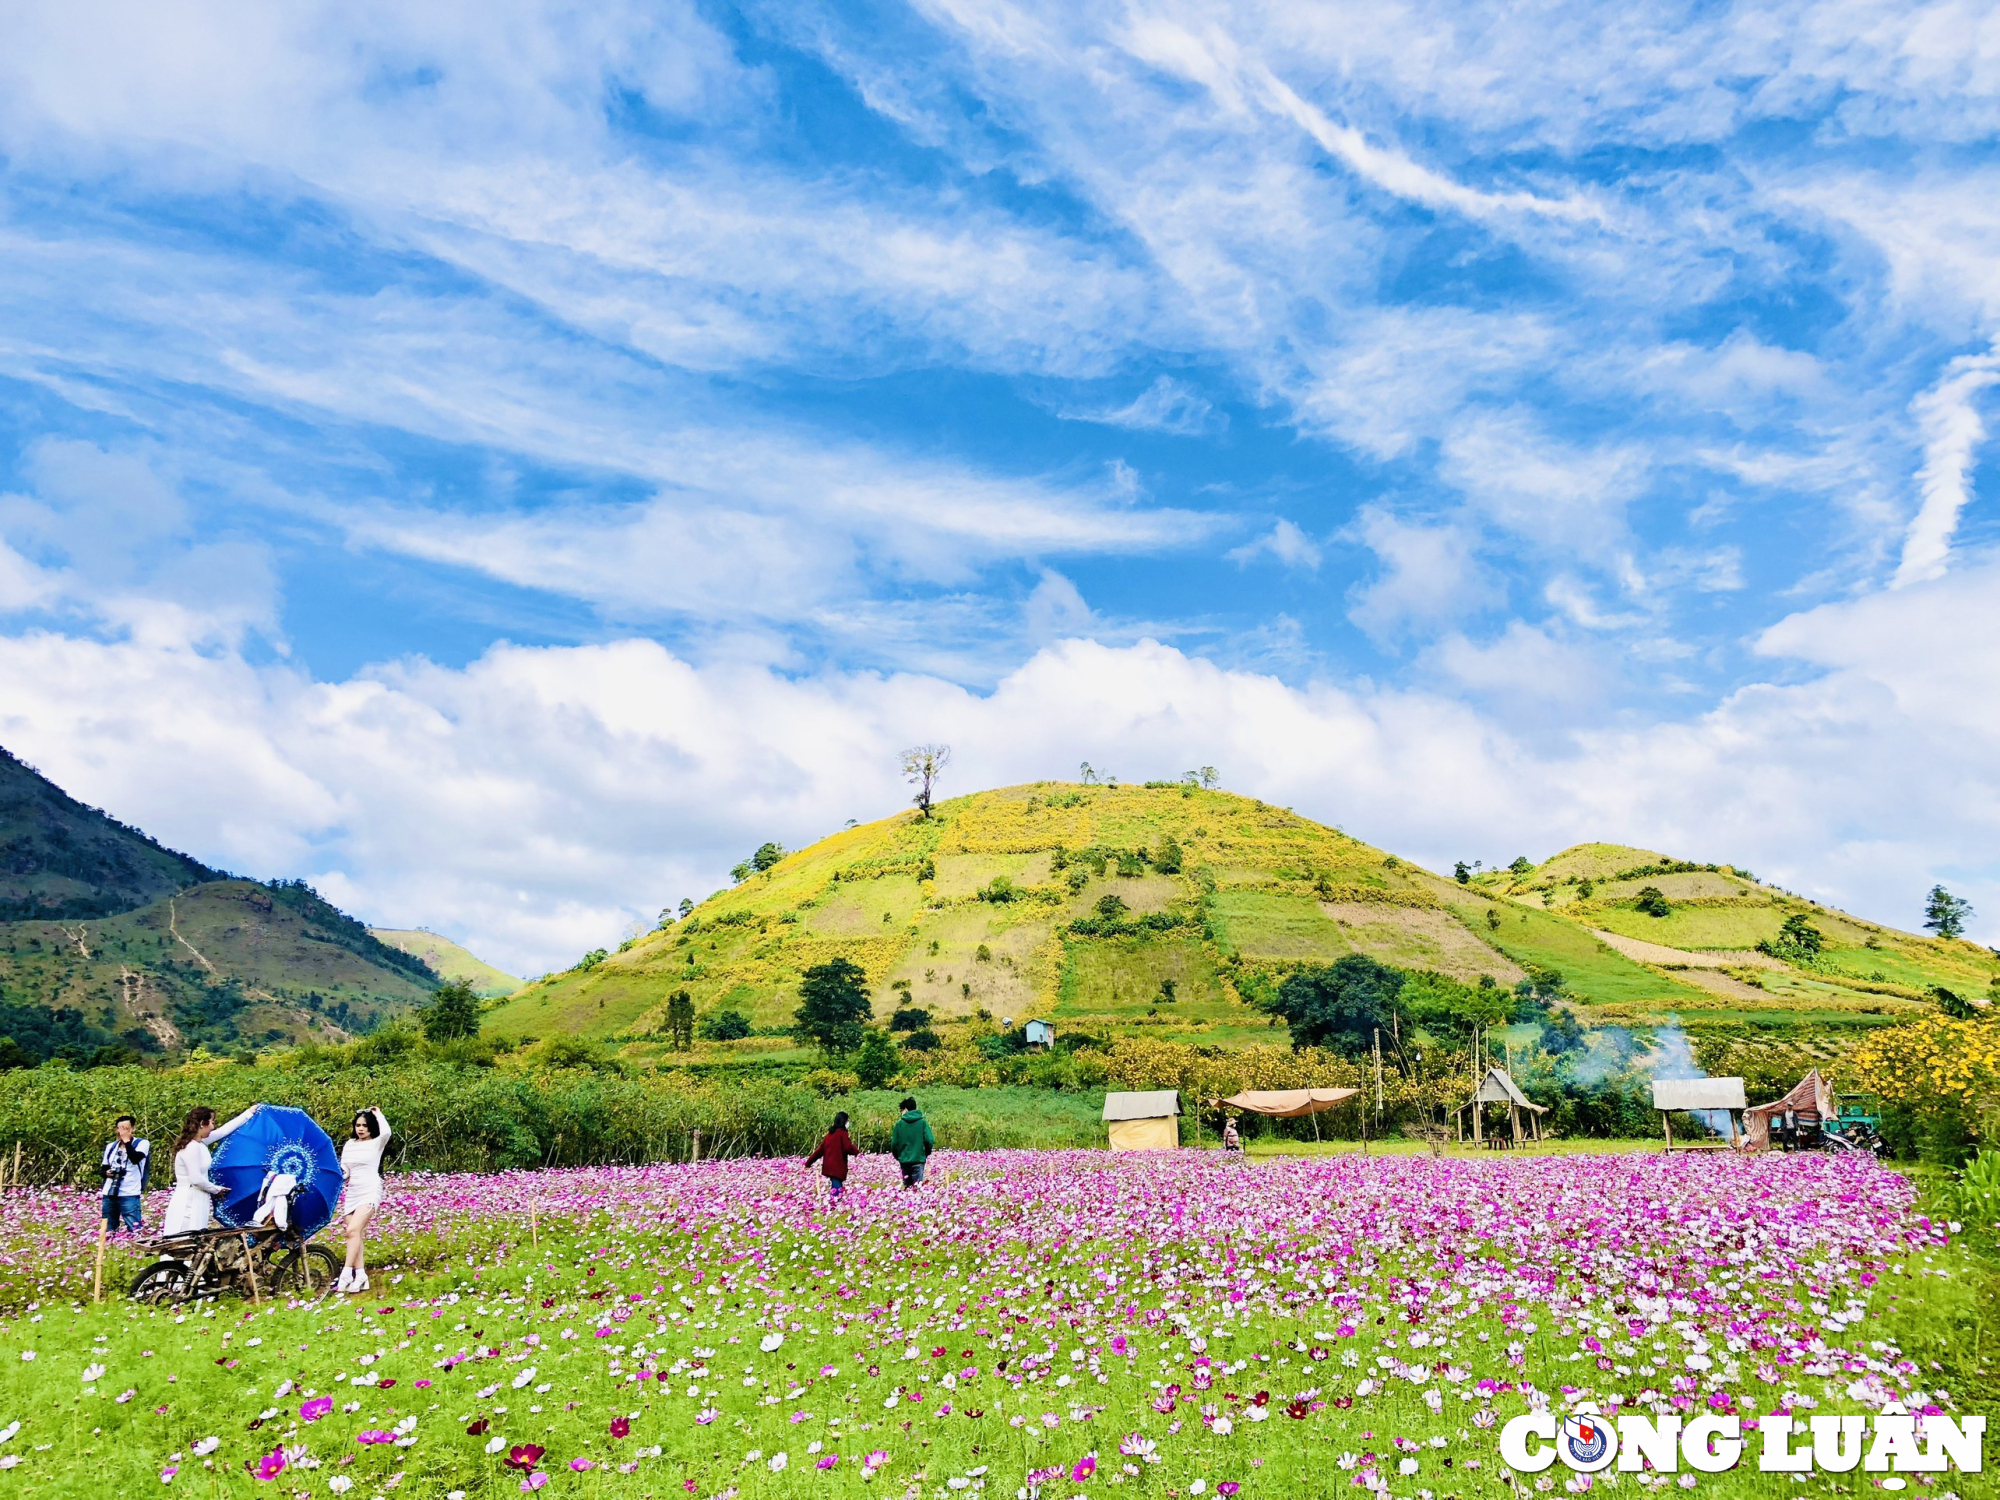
{"type": "Point", "coordinates": [1498, 1087]}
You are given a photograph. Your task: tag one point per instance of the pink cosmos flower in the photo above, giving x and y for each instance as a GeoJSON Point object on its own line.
{"type": "Point", "coordinates": [1227, 1487]}
{"type": "Point", "coordinates": [828, 1462]}
{"type": "Point", "coordinates": [534, 1482]}
{"type": "Point", "coordinates": [581, 1465]}
{"type": "Point", "coordinates": [167, 1474]}
{"type": "Point", "coordinates": [621, 1427]}
{"type": "Point", "coordinates": [316, 1408]}
{"type": "Point", "coordinates": [1085, 1467]}
{"type": "Point", "coordinates": [272, 1464]}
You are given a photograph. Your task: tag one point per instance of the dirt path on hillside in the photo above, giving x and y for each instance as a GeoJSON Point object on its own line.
{"type": "Point", "coordinates": [1643, 952]}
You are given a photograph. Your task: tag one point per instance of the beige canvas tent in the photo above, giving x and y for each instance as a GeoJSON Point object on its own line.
{"type": "Point", "coordinates": [1812, 1096]}
{"type": "Point", "coordinates": [1699, 1096]}
{"type": "Point", "coordinates": [1289, 1104]}
{"type": "Point", "coordinates": [1498, 1087]}
{"type": "Point", "coordinates": [1146, 1121]}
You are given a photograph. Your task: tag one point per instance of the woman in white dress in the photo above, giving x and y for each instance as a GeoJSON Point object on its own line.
{"type": "Point", "coordinates": [361, 1165]}
{"type": "Point", "coordinates": [193, 1202]}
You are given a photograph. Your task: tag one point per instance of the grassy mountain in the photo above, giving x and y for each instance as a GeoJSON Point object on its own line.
{"type": "Point", "coordinates": [116, 944]}
{"type": "Point", "coordinates": [60, 859]}
{"type": "Point", "coordinates": [994, 907]}
{"type": "Point", "coordinates": [448, 960]}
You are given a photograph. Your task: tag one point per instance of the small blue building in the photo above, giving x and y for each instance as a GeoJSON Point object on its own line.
{"type": "Point", "coordinates": [1039, 1034]}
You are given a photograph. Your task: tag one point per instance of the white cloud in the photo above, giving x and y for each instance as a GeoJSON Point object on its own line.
{"type": "Point", "coordinates": [537, 801]}
{"type": "Point", "coordinates": [1949, 417]}
{"type": "Point", "coordinates": [1167, 405]}
{"type": "Point", "coordinates": [1431, 573]}
{"type": "Point", "coordinates": [1285, 543]}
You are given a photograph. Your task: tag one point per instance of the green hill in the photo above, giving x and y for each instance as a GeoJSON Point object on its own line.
{"type": "Point", "coordinates": [448, 960]}
{"type": "Point", "coordinates": [1255, 890]}
{"type": "Point", "coordinates": [113, 944]}
{"type": "Point", "coordinates": [60, 859]}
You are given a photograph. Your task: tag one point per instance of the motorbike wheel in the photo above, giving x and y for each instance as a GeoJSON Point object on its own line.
{"type": "Point", "coordinates": [161, 1284]}
{"type": "Point", "coordinates": [309, 1273]}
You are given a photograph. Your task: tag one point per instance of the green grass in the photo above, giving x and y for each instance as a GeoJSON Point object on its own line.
{"type": "Point", "coordinates": [1274, 924]}
{"type": "Point", "coordinates": [1589, 968]}
{"type": "Point", "coordinates": [1120, 976]}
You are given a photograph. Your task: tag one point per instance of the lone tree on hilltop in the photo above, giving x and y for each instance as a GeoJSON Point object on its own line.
{"type": "Point", "coordinates": [453, 1014]}
{"type": "Point", "coordinates": [1945, 913]}
{"type": "Point", "coordinates": [922, 765]}
{"type": "Point", "coordinates": [1461, 873]}
{"type": "Point", "coordinates": [834, 1006]}
{"type": "Point", "coordinates": [680, 1021]}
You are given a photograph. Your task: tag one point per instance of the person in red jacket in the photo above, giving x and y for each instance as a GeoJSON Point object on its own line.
{"type": "Point", "coordinates": [832, 1154]}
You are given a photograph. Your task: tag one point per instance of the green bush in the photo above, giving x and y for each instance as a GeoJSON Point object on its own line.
{"type": "Point", "coordinates": [447, 1117]}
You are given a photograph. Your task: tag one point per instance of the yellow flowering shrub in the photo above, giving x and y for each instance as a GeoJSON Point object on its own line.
{"type": "Point", "coordinates": [1931, 1062]}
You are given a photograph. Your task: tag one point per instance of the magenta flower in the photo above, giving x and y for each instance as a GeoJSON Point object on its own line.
{"type": "Point", "coordinates": [272, 1464]}
{"type": "Point", "coordinates": [1227, 1487]}
{"type": "Point", "coordinates": [621, 1427]}
{"type": "Point", "coordinates": [1085, 1467]}
{"type": "Point", "coordinates": [828, 1462]}
{"type": "Point", "coordinates": [534, 1482]}
{"type": "Point", "coordinates": [581, 1465]}
{"type": "Point", "coordinates": [316, 1408]}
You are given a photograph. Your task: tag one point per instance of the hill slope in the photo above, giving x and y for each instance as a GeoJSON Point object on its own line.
{"type": "Point", "coordinates": [448, 960]}
{"type": "Point", "coordinates": [61, 859]}
{"type": "Point", "coordinates": [115, 943]}
{"type": "Point", "coordinates": [1256, 890]}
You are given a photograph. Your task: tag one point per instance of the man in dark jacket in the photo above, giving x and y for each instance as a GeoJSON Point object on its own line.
{"type": "Point", "coordinates": [911, 1143]}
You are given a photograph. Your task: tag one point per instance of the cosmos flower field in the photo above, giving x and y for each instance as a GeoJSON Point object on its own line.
{"type": "Point", "coordinates": [1056, 1324]}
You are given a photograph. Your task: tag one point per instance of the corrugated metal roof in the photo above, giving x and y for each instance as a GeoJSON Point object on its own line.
{"type": "Point", "coordinates": [1698, 1093]}
{"type": "Point", "coordinates": [1152, 1104]}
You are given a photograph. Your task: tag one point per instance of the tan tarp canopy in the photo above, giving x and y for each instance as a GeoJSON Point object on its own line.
{"type": "Point", "coordinates": [1812, 1094]}
{"type": "Point", "coordinates": [1289, 1104]}
{"type": "Point", "coordinates": [1145, 1120]}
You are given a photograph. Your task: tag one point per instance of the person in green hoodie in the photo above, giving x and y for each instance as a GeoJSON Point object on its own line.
{"type": "Point", "coordinates": [911, 1143]}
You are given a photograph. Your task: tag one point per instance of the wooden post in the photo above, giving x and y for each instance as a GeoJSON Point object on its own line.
{"type": "Point", "coordinates": [534, 1230]}
{"type": "Point", "coordinates": [1378, 1075]}
{"type": "Point", "coordinates": [1667, 1124]}
{"type": "Point", "coordinates": [250, 1270]}
{"type": "Point", "coordinates": [97, 1277]}
{"type": "Point", "coordinates": [1478, 1121]}
{"type": "Point", "coordinates": [697, 1145]}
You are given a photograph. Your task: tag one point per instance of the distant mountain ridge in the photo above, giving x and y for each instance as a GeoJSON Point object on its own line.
{"type": "Point", "coordinates": [113, 945]}
{"type": "Point", "coordinates": [62, 860]}
{"type": "Point", "coordinates": [449, 960]}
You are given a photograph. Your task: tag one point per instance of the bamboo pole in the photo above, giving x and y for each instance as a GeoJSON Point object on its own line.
{"type": "Point", "coordinates": [534, 1231]}
{"type": "Point", "coordinates": [97, 1276]}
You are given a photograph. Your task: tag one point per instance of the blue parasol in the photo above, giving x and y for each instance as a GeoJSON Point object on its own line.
{"type": "Point", "coordinates": [277, 1139]}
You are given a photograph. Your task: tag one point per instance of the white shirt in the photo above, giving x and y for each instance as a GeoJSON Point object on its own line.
{"type": "Point", "coordinates": [193, 1202]}
{"type": "Point", "coordinates": [130, 1183]}
{"type": "Point", "coordinates": [361, 1162]}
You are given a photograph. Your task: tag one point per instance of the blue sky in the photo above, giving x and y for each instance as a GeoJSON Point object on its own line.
{"type": "Point", "coordinates": [503, 462]}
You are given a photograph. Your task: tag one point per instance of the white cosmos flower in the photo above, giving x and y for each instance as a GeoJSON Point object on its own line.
{"type": "Point", "coordinates": [778, 1462]}
{"type": "Point", "coordinates": [92, 1374]}
{"type": "Point", "coordinates": [496, 1445]}
{"type": "Point", "coordinates": [770, 1342]}
{"type": "Point", "coordinates": [526, 1377]}
{"type": "Point", "coordinates": [207, 1446]}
